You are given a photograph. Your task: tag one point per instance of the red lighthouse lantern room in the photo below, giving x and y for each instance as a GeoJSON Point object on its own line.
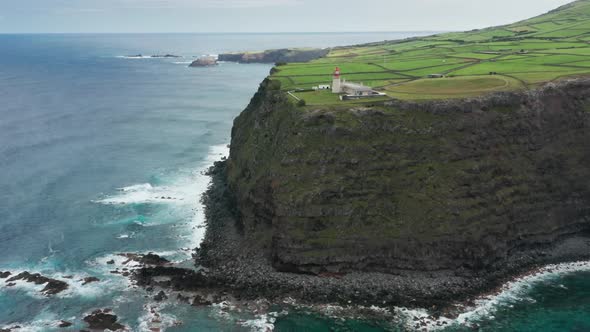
{"type": "Point", "coordinates": [337, 72]}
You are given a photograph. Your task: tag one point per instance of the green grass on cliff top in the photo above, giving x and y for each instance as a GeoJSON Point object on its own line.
{"type": "Point", "coordinates": [522, 55]}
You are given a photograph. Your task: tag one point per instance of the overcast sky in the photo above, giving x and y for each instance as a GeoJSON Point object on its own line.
{"type": "Point", "coordinates": [263, 15]}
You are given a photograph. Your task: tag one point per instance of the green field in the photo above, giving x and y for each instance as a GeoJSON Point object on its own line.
{"type": "Point", "coordinates": [522, 55]}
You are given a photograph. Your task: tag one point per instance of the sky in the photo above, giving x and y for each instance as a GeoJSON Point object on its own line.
{"type": "Point", "coordinates": [124, 16]}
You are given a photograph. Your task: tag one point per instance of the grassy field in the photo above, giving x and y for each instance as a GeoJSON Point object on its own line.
{"type": "Point", "coordinates": [522, 55]}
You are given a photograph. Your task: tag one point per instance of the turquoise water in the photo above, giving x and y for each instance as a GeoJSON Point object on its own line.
{"type": "Point", "coordinates": [90, 143]}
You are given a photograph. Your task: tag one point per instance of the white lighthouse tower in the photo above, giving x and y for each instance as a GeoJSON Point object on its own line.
{"type": "Point", "coordinates": [336, 81]}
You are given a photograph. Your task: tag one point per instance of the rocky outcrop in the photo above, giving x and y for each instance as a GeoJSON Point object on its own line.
{"type": "Point", "coordinates": [52, 286]}
{"type": "Point", "coordinates": [204, 62]}
{"type": "Point", "coordinates": [460, 186]}
{"type": "Point", "coordinates": [89, 280]}
{"type": "Point", "coordinates": [275, 56]}
{"type": "Point", "coordinates": [103, 319]}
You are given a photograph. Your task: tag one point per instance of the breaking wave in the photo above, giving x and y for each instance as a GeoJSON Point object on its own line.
{"type": "Point", "coordinates": [515, 291]}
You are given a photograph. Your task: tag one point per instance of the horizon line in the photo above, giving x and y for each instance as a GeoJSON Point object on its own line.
{"type": "Point", "coordinates": [222, 33]}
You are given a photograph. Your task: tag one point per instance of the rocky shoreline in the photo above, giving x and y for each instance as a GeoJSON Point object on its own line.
{"type": "Point", "coordinates": [232, 262]}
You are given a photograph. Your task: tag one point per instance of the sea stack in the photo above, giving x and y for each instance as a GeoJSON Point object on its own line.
{"type": "Point", "coordinates": [205, 61]}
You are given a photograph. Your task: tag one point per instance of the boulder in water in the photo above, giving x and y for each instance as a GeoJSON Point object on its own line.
{"type": "Point", "coordinates": [103, 320]}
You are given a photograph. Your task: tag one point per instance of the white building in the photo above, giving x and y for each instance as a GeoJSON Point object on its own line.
{"type": "Point", "coordinates": [322, 87]}
{"type": "Point", "coordinates": [351, 90]}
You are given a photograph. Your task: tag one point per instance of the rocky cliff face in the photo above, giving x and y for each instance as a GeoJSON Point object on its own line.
{"type": "Point", "coordinates": [275, 56]}
{"type": "Point", "coordinates": [456, 185]}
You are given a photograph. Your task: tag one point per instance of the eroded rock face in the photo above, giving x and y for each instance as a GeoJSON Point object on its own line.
{"type": "Point", "coordinates": [457, 185]}
{"type": "Point", "coordinates": [275, 56]}
{"type": "Point", "coordinates": [204, 62]}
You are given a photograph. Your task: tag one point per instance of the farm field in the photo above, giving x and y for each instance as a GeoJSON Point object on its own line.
{"type": "Point", "coordinates": [521, 55]}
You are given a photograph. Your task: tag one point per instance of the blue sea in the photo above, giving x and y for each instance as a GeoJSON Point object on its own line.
{"type": "Point", "coordinates": [102, 153]}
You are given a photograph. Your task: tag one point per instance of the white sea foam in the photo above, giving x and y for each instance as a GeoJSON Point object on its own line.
{"type": "Point", "coordinates": [262, 323]}
{"type": "Point", "coordinates": [183, 195]}
{"type": "Point", "coordinates": [221, 311]}
{"type": "Point", "coordinates": [146, 193]}
{"type": "Point", "coordinates": [37, 325]}
{"type": "Point", "coordinates": [134, 57]}
{"type": "Point", "coordinates": [519, 289]}
{"type": "Point", "coordinates": [153, 319]}
{"type": "Point", "coordinates": [485, 307]}
{"type": "Point", "coordinates": [75, 281]}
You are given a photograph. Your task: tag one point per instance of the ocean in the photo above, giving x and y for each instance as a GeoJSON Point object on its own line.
{"type": "Point", "coordinates": [102, 153]}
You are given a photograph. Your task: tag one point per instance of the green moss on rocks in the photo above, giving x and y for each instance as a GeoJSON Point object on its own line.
{"type": "Point", "coordinates": [411, 186]}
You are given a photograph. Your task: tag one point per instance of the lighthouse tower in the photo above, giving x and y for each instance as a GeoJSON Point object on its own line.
{"type": "Point", "coordinates": [336, 81]}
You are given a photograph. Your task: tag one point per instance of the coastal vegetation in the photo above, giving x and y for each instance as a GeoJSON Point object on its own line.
{"type": "Point", "coordinates": [395, 201]}
{"type": "Point", "coordinates": [518, 56]}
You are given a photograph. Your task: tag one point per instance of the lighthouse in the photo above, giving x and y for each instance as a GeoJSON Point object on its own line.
{"type": "Point", "coordinates": [336, 81]}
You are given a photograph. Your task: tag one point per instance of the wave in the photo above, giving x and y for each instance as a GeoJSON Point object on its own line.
{"type": "Point", "coordinates": [183, 191]}
{"type": "Point", "coordinates": [154, 320]}
{"type": "Point", "coordinates": [77, 287]}
{"type": "Point", "coordinates": [146, 193]}
{"type": "Point", "coordinates": [183, 195]}
{"type": "Point", "coordinates": [515, 291]}
{"type": "Point", "coordinates": [42, 323]}
{"type": "Point", "coordinates": [262, 323]}
{"type": "Point", "coordinates": [134, 57]}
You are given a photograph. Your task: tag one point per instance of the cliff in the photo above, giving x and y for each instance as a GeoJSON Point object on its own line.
{"type": "Point", "coordinates": [275, 56]}
{"type": "Point", "coordinates": [461, 186]}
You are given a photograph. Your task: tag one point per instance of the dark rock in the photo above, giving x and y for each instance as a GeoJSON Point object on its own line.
{"type": "Point", "coordinates": [64, 323]}
{"type": "Point", "coordinates": [199, 301]}
{"type": "Point", "coordinates": [179, 278]}
{"type": "Point", "coordinates": [147, 259]}
{"type": "Point", "coordinates": [4, 275]}
{"type": "Point", "coordinates": [182, 299]}
{"type": "Point", "coordinates": [88, 280]}
{"type": "Point", "coordinates": [152, 259]}
{"type": "Point", "coordinates": [13, 328]}
{"type": "Point", "coordinates": [111, 262]}
{"type": "Point", "coordinates": [161, 296]}
{"type": "Point", "coordinates": [52, 286]}
{"type": "Point", "coordinates": [101, 320]}
{"type": "Point", "coordinates": [166, 56]}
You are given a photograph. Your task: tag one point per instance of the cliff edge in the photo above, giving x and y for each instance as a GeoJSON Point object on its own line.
{"type": "Point", "coordinates": [472, 189]}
